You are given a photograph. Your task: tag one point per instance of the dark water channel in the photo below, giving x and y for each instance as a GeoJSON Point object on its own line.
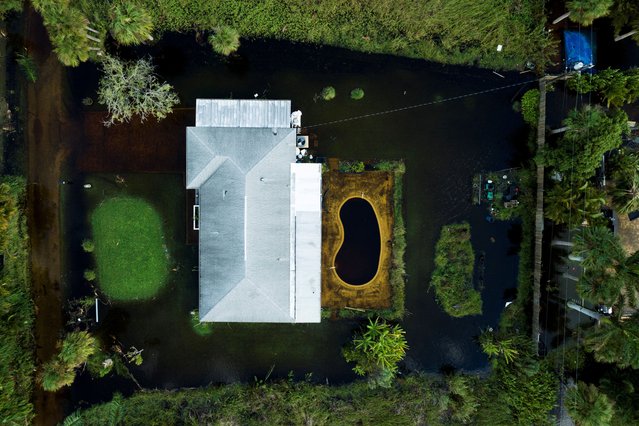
{"type": "Point", "coordinates": [442, 145]}
{"type": "Point", "coordinates": [357, 260]}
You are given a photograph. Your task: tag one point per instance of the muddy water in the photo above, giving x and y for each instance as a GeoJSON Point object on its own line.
{"type": "Point", "coordinates": [442, 145]}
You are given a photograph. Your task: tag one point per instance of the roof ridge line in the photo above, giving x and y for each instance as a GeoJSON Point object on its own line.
{"type": "Point", "coordinates": [286, 314]}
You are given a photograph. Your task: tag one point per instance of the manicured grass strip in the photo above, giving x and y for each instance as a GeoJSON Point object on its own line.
{"type": "Point", "coordinates": [17, 348]}
{"type": "Point", "coordinates": [129, 249]}
{"type": "Point", "coordinates": [452, 278]}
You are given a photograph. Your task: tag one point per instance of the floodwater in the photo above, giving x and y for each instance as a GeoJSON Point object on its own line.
{"type": "Point", "coordinates": [357, 260]}
{"type": "Point", "coordinates": [443, 145]}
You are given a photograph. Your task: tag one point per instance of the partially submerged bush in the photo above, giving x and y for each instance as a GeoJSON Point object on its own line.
{"type": "Point", "coordinates": [452, 278]}
{"type": "Point", "coordinates": [75, 349]}
{"type": "Point", "coordinates": [200, 328]}
{"type": "Point", "coordinates": [89, 275]}
{"type": "Point", "coordinates": [225, 41]}
{"type": "Point", "coordinates": [530, 106]}
{"type": "Point", "coordinates": [88, 245]}
{"type": "Point", "coordinates": [357, 94]}
{"type": "Point", "coordinates": [328, 93]}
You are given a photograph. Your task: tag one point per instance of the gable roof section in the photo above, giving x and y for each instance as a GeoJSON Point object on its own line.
{"type": "Point", "coordinates": [242, 113]}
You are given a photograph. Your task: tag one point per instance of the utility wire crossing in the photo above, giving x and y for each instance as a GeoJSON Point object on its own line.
{"type": "Point", "coordinates": [439, 101]}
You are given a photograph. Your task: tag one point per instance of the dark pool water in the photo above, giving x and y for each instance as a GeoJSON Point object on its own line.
{"type": "Point", "coordinates": [442, 145]}
{"type": "Point", "coordinates": [357, 259]}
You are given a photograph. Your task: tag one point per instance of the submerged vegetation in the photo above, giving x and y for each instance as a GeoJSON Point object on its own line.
{"type": "Point", "coordinates": [129, 249]}
{"type": "Point", "coordinates": [225, 41]}
{"type": "Point", "coordinates": [328, 93]}
{"type": "Point", "coordinates": [453, 274]}
{"type": "Point", "coordinates": [17, 363]}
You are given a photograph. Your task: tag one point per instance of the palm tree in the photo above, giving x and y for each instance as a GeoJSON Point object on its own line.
{"type": "Point", "coordinates": [598, 247]}
{"type": "Point", "coordinates": [130, 23]}
{"type": "Point", "coordinates": [625, 195]}
{"type": "Point", "coordinates": [225, 41]}
{"type": "Point", "coordinates": [615, 342]}
{"type": "Point", "coordinates": [601, 286]}
{"type": "Point", "coordinates": [589, 407]}
{"type": "Point", "coordinates": [586, 11]}
{"type": "Point", "coordinates": [573, 205]}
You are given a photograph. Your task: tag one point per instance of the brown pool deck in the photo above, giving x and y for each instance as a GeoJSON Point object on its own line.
{"type": "Point", "coordinates": [377, 188]}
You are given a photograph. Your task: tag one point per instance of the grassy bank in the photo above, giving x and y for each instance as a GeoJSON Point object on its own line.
{"type": "Point", "coordinates": [17, 363]}
{"type": "Point", "coordinates": [453, 274]}
{"type": "Point", "coordinates": [129, 248]}
{"type": "Point", "coordinates": [465, 32]}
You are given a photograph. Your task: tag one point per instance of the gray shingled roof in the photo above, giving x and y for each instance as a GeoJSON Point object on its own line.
{"type": "Point", "coordinates": [247, 222]}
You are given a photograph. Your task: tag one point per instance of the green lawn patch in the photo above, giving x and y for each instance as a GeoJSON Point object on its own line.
{"type": "Point", "coordinates": [453, 275]}
{"type": "Point", "coordinates": [129, 248]}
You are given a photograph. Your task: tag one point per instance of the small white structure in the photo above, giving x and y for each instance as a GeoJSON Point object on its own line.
{"type": "Point", "coordinates": [259, 214]}
{"type": "Point", "coordinates": [296, 118]}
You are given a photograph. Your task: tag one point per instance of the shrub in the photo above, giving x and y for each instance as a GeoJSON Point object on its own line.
{"type": "Point", "coordinates": [530, 107]}
{"type": "Point", "coordinates": [328, 93]}
{"type": "Point", "coordinates": [27, 66]}
{"type": "Point", "coordinates": [131, 23]}
{"type": "Point", "coordinates": [351, 166]}
{"type": "Point", "coordinates": [200, 328]}
{"type": "Point", "coordinates": [357, 94]}
{"type": "Point", "coordinates": [88, 245]}
{"type": "Point", "coordinates": [225, 41]}
{"type": "Point", "coordinates": [452, 277]}
{"type": "Point", "coordinates": [89, 275]}
{"type": "Point", "coordinates": [377, 351]}
{"type": "Point", "coordinates": [75, 350]}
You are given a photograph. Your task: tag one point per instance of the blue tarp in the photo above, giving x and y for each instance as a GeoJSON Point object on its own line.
{"type": "Point", "coordinates": [578, 49]}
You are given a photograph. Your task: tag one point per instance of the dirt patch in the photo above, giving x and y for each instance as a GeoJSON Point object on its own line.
{"type": "Point", "coordinates": [152, 146]}
{"type": "Point", "coordinates": [376, 188]}
{"type": "Point", "coordinates": [628, 232]}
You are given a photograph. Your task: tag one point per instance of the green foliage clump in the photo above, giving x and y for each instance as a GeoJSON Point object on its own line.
{"type": "Point", "coordinates": [75, 350]}
{"type": "Point", "coordinates": [586, 11]}
{"type": "Point", "coordinates": [89, 275]}
{"type": "Point", "coordinates": [130, 23]}
{"type": "Point", "coordinates": [129, 249]}
{"type": "Point", "coordinates": [27, 66]}
{"type": "Point", "coordinates": [530, 106]}
{"type": "Point", "coordinates": [131, 88]}
{"type": "Point", "coordinates": [521, 388]}
{"type": "Point", "coordinates": [357, 94]}
{"type": "Point", "coordinates": [615, 342]}
{"type": "Point", "coordinates": [200, 328]}
{"type": "Point", "coordinates": [351, 166]}
{"type": "Point", "coordinates": [7, 6]}
{"type": "Point", "coordinates": [88, 245]}
{"type": "Point", "coordinates": [453, 274]}
{"type": "Point", "coordinates": [591, 133]}
{"type": "Point", "coordinates": [377, 351]}
{"type": "Point", "coordinates": [225, 41]}
{"type": "Point", "coordinates": [328, 93]}
{"type": "Point", "coordinates": [572, 206]}
{"type": "Point", "coordinates": [625, 16]}
{"type": "Point", "coordinates": [17, 346]}
{"type": "Point", "coordinates": [617, 87]}
{"type": "Point", "coordinates": [589, 407]}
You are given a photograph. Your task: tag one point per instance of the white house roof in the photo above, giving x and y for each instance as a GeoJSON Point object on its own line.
{"type": "Point", "coordinates": [260, 217]}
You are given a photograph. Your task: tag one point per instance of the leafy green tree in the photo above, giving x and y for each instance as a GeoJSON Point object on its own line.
{"type": "Point", "coordinates": [462, 398]}
{"type": "Point", "coordinates": [589, 407]}
{"type": "Point", "coordinates": [625, 16]}
{"type": "Point", "coordinates": [377, 351]}
{"type": "Point", "coordinates": [591, 133]}
{"type": "Point", "coordinates": [621, 387]}
{"type": "Point", "coordinates": [131, 88]}
{"type": "Point", "coordinates": [617, 87]}
{"type": "Point", "coordinates": [225, 41]}
{"type": "Point", "coordinates": [530, 106]}
{"type": "Point", "coordinates": [615, 342]}
{"type": "Point", "coordinates": [586, 11]}
{"type": "Point", "coordinates": [130, 23]}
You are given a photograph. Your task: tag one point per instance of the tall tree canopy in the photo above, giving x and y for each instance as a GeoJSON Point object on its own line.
{"type": "Point", "coordinates": [591, 133]}
{"type": "Point", "coordinates": [586, 11]}
{"type": "Point", "coordinates": [615, 342]}
{"type": "Point", "coordinates": [589, 407]}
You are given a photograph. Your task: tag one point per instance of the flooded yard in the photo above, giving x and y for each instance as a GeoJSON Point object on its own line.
{"type": "Point", "coordinates": [442, 145]}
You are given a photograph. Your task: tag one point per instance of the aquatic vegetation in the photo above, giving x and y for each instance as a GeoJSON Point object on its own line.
{"type": "Point", "coordinates": [89, 275]}
{"type": "Point", "coordinates": [328, 93]}
{"type": "Point", "coordinates": [357, 94]}
{"type": "Point", "coordinates": [129, 250]}
{"type": "Point", "coordinates": [88, 246]}
{"type": "Point", "coordinates": [225, 41]}
{"type": "Point", "coordinates": [453, 274]}
{"type": "Point", "coordinates": [200, 328]}
{"type": "Point", "coordinates": [27, 66]}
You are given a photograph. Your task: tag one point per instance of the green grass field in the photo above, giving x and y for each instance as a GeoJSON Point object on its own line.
{"type": "Point", "coordinates": [129, 249]}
